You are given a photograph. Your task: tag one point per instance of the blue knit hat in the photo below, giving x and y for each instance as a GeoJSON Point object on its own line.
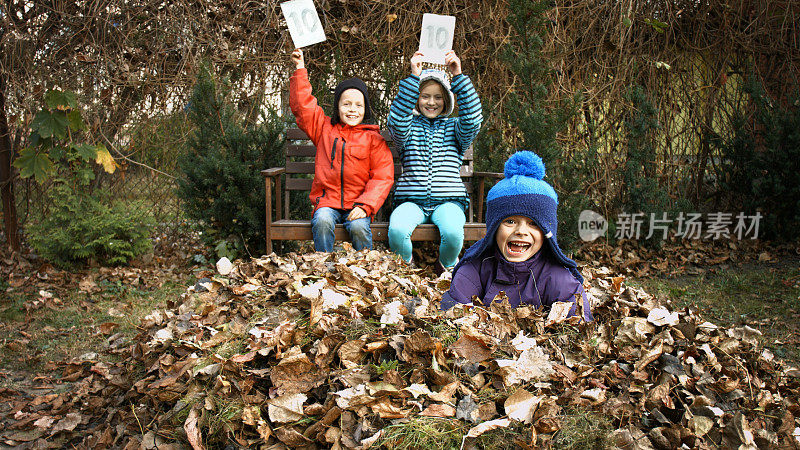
{"type": "Point", "coordinates": [522, 193]}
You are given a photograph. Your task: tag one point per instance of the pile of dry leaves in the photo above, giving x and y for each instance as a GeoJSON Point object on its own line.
{"type": "Point", "coordinates": [328, 350]}
{"type": "Point", "coordinates": [675, 257]}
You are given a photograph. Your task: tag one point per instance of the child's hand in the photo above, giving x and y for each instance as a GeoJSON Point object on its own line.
{"type": "Point", "coordinates": [356, 213]}
{"type": "Point", "coordinates": [416, 63]}
{"type": "Point", "coordinates": [453, 62]}
{"type": "Point", "coordinates": [297, 59]}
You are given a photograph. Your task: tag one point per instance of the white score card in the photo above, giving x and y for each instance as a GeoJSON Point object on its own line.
{"type": "Point", "coordinates": [303, 22]}
{"type": "Point", "coordinates": [436, 37]}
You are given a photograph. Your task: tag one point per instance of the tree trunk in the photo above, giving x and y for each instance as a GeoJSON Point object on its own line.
{"type": "Point", "coordinates": [6, 174]}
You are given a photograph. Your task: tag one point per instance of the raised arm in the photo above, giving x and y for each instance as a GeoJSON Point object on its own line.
{"type": "Point", "coordinates": [401, 110]}
{"type": "Point", "coordinates": [309, 115]}
{"type": "Point", "coordinates": [470, 110]}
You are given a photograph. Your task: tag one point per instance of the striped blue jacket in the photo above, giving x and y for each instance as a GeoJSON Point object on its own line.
{"type": "Point", "coordinates": [431, 150]}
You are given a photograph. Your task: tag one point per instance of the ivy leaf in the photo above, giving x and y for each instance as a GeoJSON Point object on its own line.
{"type": "Point", "coordinates": [56, 99]}
{"type": "Point", "coordinates": [626, 21]}
{"type": "Point", "coordinates": [49, 124]}
{"type": "Point", "coordinates": [75, 120]}
{"type": "Point", "coordinates": [32, 163]}
{"type": "Point", "coordinates": [87, 152]}
{"type": "Point", "coordinates": [657, 25]}
{"type": "Point", "coordinates": [105, 159]}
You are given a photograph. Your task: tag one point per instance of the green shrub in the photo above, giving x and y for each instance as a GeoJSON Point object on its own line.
{"type": "Point", "coordinates": [83, 227]}
{"type": "Point", "coordinates": [640, 188]}
{"type": "Point", "coordinates": [758, 170]}
{"type": "Point", "coordinates": [83, 222]}
{"type": "Point", "coordinates": [220, 181]}
{"type": "Point", "coordinates": [536, 120]}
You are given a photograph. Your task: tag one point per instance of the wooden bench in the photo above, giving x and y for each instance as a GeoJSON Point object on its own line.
{"type": "Point", "coordinates": [298, 174]}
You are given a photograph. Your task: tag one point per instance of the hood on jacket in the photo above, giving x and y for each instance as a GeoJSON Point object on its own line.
{"type": "Point", "coordinates": [441, 78]}
{"type": "Point", "coordinates": [522, 192]}
{"type": "Point", "coordinates": [351, 83]}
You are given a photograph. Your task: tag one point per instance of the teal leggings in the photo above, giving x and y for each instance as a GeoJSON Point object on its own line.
{"type": "Point", "coordinates": [448, 217]}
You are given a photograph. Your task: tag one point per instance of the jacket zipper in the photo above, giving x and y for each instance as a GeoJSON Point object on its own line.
{"type": "Point", "coordinates": [535, 286]}
{"type": "Point", "coordinates": [341, 186]}
{"type": "Point", "coordinates": [333, 151]}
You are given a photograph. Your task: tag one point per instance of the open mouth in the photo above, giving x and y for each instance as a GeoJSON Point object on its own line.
{"type": "Point", "coordinates": [518, 248]}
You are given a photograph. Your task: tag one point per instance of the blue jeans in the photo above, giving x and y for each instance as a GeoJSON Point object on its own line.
{"type": "Point", "coordinates": [448, 217]}
{"type": "Point", "coordinates": [324, 222]}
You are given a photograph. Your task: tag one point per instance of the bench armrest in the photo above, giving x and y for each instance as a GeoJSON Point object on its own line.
{"type": "Point", "coordinates": [273, 172]}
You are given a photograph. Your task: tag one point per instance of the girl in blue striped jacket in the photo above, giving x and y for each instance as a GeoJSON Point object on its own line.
{"type": "Point", "coordinates": [431, 146]}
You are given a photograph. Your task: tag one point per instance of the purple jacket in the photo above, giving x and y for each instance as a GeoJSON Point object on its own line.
{"type": "Point", "coordinates": [538, 281]}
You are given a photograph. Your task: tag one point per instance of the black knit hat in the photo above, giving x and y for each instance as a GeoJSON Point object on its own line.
{"type": "Point", "coordinates": [351, 83]}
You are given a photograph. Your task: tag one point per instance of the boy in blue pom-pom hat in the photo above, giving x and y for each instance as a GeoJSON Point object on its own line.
{"type": "Point", "coordinates": [519, 254]}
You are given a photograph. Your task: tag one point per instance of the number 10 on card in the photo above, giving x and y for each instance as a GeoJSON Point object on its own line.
{"type": "Point", "coordinates": [436, 37]}
{"type": "Point", "coordinates": [303, 22]}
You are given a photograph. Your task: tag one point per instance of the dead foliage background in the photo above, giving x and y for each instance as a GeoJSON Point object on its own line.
{"type": "Point", "coordinates": [343, 350]}
{"type": "Point", "coordinates": [133, 63]}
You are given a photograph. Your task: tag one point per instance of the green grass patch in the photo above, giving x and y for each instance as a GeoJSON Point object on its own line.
{"type": "Point", "coordinates": [224, 418]}
{"type": "Point", "coordinates": [423, 433]}
{"type": "Point", "coordinates": [582, 429]}
{"type": "Point", "coordinates": [37, 335]}
{"type": "Point", "coordinates": [440, 329]}
{"type": "Point", "coordinates": [431, 433]}
{"type": "Point", "coordinates": [765, 297]}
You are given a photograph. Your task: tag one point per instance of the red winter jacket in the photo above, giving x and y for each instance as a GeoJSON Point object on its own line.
{"type": "Point", "coordinates": [353, 165]}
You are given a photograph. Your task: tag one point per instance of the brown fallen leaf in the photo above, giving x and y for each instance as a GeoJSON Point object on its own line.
{"type": "Point", "coordinates": [521, 406]}
{"type": "Point", "coordinates": [532, 364]}
{"type": "Point", "coordinates": [291, 437]}
{"type": "Point", "coordinates": [68, 423]}
{"type": "Point", "coordinates": [192, 432]}
{"type": "Point", "coordinates": [296, 373]}
{"type": "Point", "coordinates": [286, 408]}
{"type": "Point", "coordinates": [386, 409]}
{"type": "Point", "coordinates": [487, 426]}
{"type": "Point", "coordinates": [438, 410]}
{"type": "Point", "coordinates": [107, 327]}
{"type": "Point", "coordinates": [470, 348]}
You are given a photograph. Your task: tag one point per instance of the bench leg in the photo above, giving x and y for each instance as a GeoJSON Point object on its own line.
{"type": "Point", "coordinates": [268, 195]}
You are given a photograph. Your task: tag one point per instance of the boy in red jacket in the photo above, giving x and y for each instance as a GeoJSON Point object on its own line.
{"type": "Point", "coordinates": [353, 167]}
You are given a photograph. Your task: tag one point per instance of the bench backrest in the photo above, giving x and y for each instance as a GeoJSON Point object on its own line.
{"type": "Point", "coordinates": [300, 154]}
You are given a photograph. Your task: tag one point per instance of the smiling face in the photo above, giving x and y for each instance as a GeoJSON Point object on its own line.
{"type": "Point", "coordinates": [351, 107]}
{"type": "Point", "coordinates": [431, 99]}
{"type": "Point", "coordinates": [518, 238]}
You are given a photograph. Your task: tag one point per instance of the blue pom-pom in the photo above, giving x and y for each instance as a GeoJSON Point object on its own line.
{"type": "Point", "coordinates": [525, 163]}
